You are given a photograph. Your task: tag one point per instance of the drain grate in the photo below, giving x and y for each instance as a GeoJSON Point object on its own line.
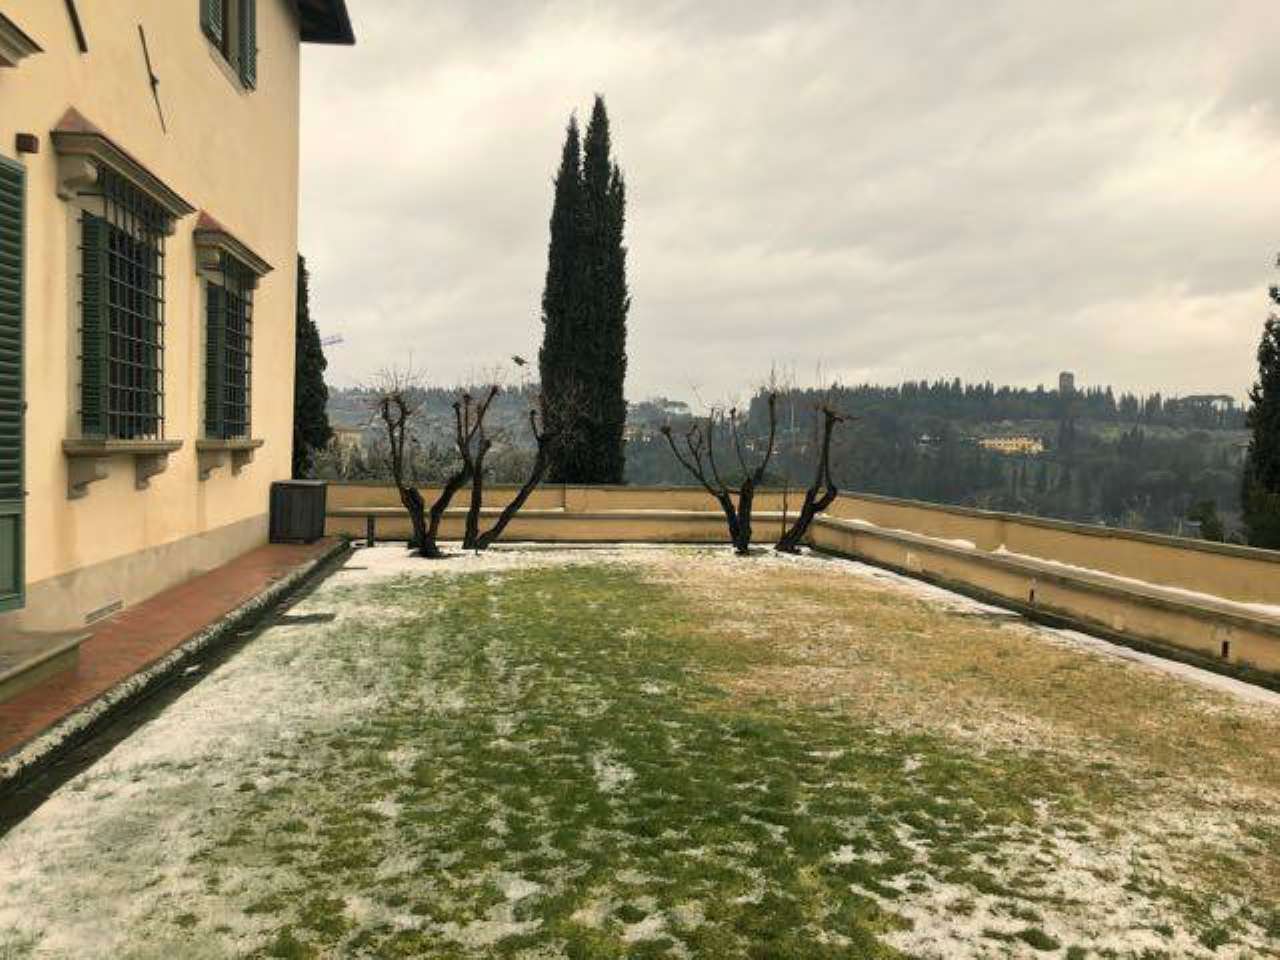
{"type": "Point", "coordinates": [93, 616]}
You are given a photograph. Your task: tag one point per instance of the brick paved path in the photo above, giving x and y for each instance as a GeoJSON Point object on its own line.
{"type": "Point", "coordinates": [136, 637]}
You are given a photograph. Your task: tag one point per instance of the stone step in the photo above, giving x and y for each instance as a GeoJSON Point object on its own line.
{"type": "Point", "coordinates": [28, 658]}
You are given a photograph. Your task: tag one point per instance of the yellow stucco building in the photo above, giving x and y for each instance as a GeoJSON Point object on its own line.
{"type": "Point", "coordinates": [148, 250]}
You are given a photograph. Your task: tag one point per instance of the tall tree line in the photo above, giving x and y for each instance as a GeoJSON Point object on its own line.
{"type": "Point", "coordinates": [582, 362]}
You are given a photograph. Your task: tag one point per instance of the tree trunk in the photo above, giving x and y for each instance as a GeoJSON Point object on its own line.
{"type": "Point", "coordinates": [412, 502]}
{"type": "Point", "coordinates": [813, 504]}
{"type": "Point", "coordinates": [451, 486]}
{"type": "Point", "coordinates": [471, 532]}
{"type": "Point", "coordinates": [742, 535]}
{"type": "Point", "coordinates": [730, 515]}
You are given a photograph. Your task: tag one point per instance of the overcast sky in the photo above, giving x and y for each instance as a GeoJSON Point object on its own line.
{"type": "Point", "coordinates": [893, 190]}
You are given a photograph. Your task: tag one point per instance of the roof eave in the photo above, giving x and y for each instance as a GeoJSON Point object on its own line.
{"type": "Point", "coordinates": [325, 21]}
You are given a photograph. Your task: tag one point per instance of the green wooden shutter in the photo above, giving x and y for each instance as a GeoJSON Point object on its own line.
{"type": "Point", "coordinates": [249, 42]}
{"type": "Point", "coordinates": [215, 338]}
{"type": "Point", "coordinates": [211, 20]}
{"type": "Point", "coordinates": [12, 405]}
{"type": "Point", "coordinates": [93, 326]}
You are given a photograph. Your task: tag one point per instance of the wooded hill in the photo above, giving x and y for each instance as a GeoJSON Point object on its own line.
{"type": "Point", "coordinates": [1144, 462]}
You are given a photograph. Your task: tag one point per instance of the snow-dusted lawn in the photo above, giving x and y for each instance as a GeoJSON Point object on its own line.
{"type": "Point", "coordinates": [650, 752]}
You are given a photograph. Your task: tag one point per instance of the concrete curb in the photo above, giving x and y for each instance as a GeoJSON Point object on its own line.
{"type": "Point", "coordinates": [36, 755]}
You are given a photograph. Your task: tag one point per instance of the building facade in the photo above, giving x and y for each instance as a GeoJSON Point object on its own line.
{"type": "Point", "coordinates": [1013, 446]}
{"type": "Point", "coordinates": [148, 249]}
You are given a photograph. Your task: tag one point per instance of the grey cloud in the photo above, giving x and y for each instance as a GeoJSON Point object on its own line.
{"type": "Point", "coordinates": [989, 190]}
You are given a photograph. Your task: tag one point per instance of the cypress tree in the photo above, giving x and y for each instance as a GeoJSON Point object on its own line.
{"type": "Point", "coordinates": [605, 299]}
{"type": "Point", "coordinates": [311, 431]}
{"type": "Point", "coordinates": [583, 361]}
{"type": "Point", "coordinates": [1260, 488]}
{"type": "Point", "coordinates": [556, 367]}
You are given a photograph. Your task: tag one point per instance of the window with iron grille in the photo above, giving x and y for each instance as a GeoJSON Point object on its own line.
{"type": "Point", "coordinates": [122, 312]}
{"type": "Point", "coordinates": [228, 351]}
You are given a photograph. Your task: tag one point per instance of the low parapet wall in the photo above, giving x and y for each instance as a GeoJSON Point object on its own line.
{"type": "Point", "coordinates": [1214, 600]}
{"type": "Point", "coordinates": [1232, 572]}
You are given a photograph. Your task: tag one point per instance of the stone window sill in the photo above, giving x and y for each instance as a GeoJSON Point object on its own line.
{"type": "Point", "coordinates": [212, 454]}
{"type": "Point", "coordinates": [88, 461]}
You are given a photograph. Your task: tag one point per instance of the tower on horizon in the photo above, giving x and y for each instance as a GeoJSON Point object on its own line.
{"type": "Point", "coordinates": [1066, 383]}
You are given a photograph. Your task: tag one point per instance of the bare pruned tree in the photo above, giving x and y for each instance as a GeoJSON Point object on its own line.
{"type": "Point", "coordinates": [395, 405]}
{"type": "Point", "coordinates": [699, 459]}
{"type": "Point", "coordinates": [814, 501]}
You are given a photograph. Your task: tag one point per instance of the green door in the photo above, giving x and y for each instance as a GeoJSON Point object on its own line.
{"type": "Point", "coordinates": [12, 196]}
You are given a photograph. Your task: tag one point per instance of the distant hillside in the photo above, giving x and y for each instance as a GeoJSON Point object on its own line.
{"type": "Point", "coordinates": [1092, 455]}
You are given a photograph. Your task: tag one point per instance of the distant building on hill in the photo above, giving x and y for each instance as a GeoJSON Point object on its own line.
{"type": "Point", "coordinates": [1216, 402]}
{"type": "Point", "coordinates": [348, 445]}
{"type": "Point", "coordinates": [1066, 383]}
{"type": "Point", "coordinates": [348, 437]}
{"type": "Point", "coordinates": [1013, 446]}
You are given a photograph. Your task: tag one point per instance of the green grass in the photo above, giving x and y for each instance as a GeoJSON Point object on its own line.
{"type": "Point", "coordinates": [547, 760]}
{"type": "Point", "coordinates": [724, 809]}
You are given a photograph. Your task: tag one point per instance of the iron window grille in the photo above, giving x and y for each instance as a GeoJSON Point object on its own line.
{"type": "Point", "coordinates": [229, 351]}
{"type": "Point", "coordinates": [122, 311]}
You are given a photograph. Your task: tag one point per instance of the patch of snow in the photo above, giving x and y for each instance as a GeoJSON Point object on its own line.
{"type": "Point", "coordinates": [402, 759]}
{"type": "Point", "coordinates": [868, 525]}
{"type": "Point", "coordinates": [515, 887]}
{"type": "Point", "coordinates": [633, 877]}
{"type": "Point", "coordinates": [689, 915]}
{"type": "Point", "coordinates": [593, 913]}
{"type": "Point", "coordinates": [498, 926]}
{"type": "Point", "coordinates": [759, 885]}
{"type": "Point", "coordinates": [1086, 875]}
{"type": "Point", "coordinates": [845, 854]}
{"type": "Point", "coordinates": [827, 754]}
{"type": "Point", "coordinates": [777, 832]}
{"type": "Point", "coordinates": [611, 776]}
{"type": "Point", "coordinates": [387, 807]}
{"type": "Point", "coordinates": [652, 927]}
{"type": "Point", "coordinates": [497, 825]}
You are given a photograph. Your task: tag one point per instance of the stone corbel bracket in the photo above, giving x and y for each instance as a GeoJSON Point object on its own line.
{"type": "Point", "coordinates": [146, 466]}
{"type": "Point", "coordinates": [212, 454]}
{"type": "Point", "coordinates": [83, 470]}
{"type": "Point", "coordinates": [89, 461]}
